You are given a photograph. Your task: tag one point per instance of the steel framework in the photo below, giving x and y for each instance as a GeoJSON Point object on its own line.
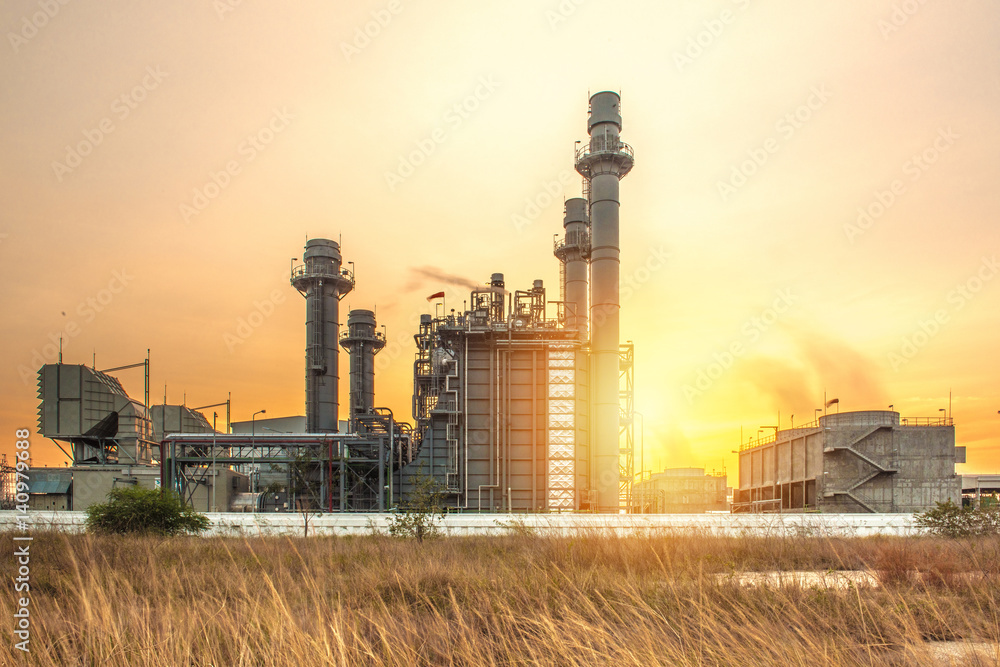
{"type": "Point", "coordinates": [332, 472]}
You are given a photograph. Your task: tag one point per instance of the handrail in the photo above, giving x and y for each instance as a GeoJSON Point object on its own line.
{"type": "Point", "coordinates": [622, 148]}
{"type": "Point", "coordinates": [379, 336]}
{"type": "Point", "coordinates": [302, 271]}
{"type": "Point", "coordinates": [858, 421]}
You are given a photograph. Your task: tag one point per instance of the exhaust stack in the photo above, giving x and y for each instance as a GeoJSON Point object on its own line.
{"type": "Point", "coordinates": [603, 163]}
{"type": "Point", "coordinates": [323, 282]}
{"type": "Point", "coordinates": [362, 340]}
{"type": "Point", "coordinates": [573, 251]}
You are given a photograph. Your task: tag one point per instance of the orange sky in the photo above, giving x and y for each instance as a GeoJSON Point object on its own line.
{"type": "Point", "coordinates": [760, 130]}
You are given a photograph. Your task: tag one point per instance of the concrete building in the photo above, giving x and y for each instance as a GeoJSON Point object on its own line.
{"type": "Point", "coordinates": [265, 425]}
{"type": "Point", "coordinates": [980, 490]}
{"type": "Point", "coordinates": [50, 489]}
{"type": "Point", "coordinates": [681, 491]}
{"type": "Point", "coordinates": [869, 461]}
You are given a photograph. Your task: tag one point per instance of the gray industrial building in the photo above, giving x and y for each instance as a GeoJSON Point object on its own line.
{"type": "Point", "coordinates": [111, 440]}
{"type": "Point", "coordinates": [981, 490]}
{"type": "Point", "coordinates": [524, 404]}
{"type": "Point", "coordinates": [868, 461]}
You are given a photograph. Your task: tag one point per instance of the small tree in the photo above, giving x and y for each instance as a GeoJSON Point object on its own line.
{"type": "Point", "coordinates": [419, 514]}
{"type": "Point", "coordinates": [950, 520]}
{"type": "Point", "coordinates": [150, 511]}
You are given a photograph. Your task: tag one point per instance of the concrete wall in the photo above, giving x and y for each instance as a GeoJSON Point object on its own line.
{"type": "Point", "coordinates": [737, 525]}
{"type": "Point", "coordinates": [92, 484]}
{"type": "Point", "coordinates": [53, 502]}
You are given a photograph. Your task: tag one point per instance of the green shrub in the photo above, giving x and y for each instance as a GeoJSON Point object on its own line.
{"type": "Point", "coordinates": [950, 520]}
{"type": "Point", "coordinates": [138, 510]}
{"type": "Point", "coordinates": [418, 515]}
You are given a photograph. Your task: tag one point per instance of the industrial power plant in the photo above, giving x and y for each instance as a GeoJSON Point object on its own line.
{"type": "Point", "coordinates": [521, 403]}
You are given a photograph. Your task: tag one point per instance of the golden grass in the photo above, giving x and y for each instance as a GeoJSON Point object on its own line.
{"type": "Point", "coordinates": [518, 600]}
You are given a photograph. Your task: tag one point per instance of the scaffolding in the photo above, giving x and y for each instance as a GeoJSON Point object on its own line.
{"type": "Point", "coordinates": [8, 483]}
{"type": "Point", "coordinates": [626, 407]}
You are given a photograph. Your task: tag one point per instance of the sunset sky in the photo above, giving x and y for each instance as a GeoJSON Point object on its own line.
{"type": "Point", "coordinates": [815, 188]}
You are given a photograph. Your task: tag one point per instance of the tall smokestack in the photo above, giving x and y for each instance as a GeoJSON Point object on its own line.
{"type": "Point", "coordinates": [602, 164]}
{"type": "Point", "coordinates": [362, 342]}
{"type": "Point", "coordinates": [322, 282]}
{"type": "Point", "coordinates": [573, 253]}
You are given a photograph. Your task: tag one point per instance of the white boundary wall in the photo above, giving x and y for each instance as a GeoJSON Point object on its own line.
{"type": "Point", "coordinates": [767, 525]}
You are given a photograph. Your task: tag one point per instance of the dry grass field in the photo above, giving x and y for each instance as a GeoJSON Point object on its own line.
{"type": "Point", "coordinates": [512, 600]}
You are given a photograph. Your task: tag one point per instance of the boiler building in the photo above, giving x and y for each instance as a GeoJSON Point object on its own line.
{"type": "Point", "coordinates": [524, 404]}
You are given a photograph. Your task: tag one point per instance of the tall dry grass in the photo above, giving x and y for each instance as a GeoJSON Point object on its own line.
{"type": "Point", "coordinates": [518, 600]}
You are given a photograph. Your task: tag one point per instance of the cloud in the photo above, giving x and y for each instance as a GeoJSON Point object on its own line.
{"type": "Point", "coordinates": [815, 363]}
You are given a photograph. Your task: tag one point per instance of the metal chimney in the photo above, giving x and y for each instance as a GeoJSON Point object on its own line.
{"type": "Point", "coordinates": [323, 283]}
{"type": "Point", "coordinates": [362, 341]}
{"type": "Point", "coordinates": [573, 252]}
{"type": "Point", "coordinates": [602, 164]}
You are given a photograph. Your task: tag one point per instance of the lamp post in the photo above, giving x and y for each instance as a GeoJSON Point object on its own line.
{"type": "Point", "coordinates": [215, 471]}
{"type": "Point", "coordinates": [944, 417]}
{"type": "Point", "coordinates": [816, 416]}
{"type": "Point", "coordinates": [253, 450]}
{"type": "Point", "coordinates": [642, 442]}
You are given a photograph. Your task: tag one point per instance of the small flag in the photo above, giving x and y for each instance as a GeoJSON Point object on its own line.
{"type": "Point", "coordinates": [436, 295]}
{"type": "Point", "coordinates": [832, 401]}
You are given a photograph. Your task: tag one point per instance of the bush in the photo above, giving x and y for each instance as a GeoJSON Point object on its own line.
{"type": "Point", "coordinates": [419, 514]}
{"type": "Point", "coordinates": [148, 511]}
{"type": "Point", "coordinates": [950, 520]}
